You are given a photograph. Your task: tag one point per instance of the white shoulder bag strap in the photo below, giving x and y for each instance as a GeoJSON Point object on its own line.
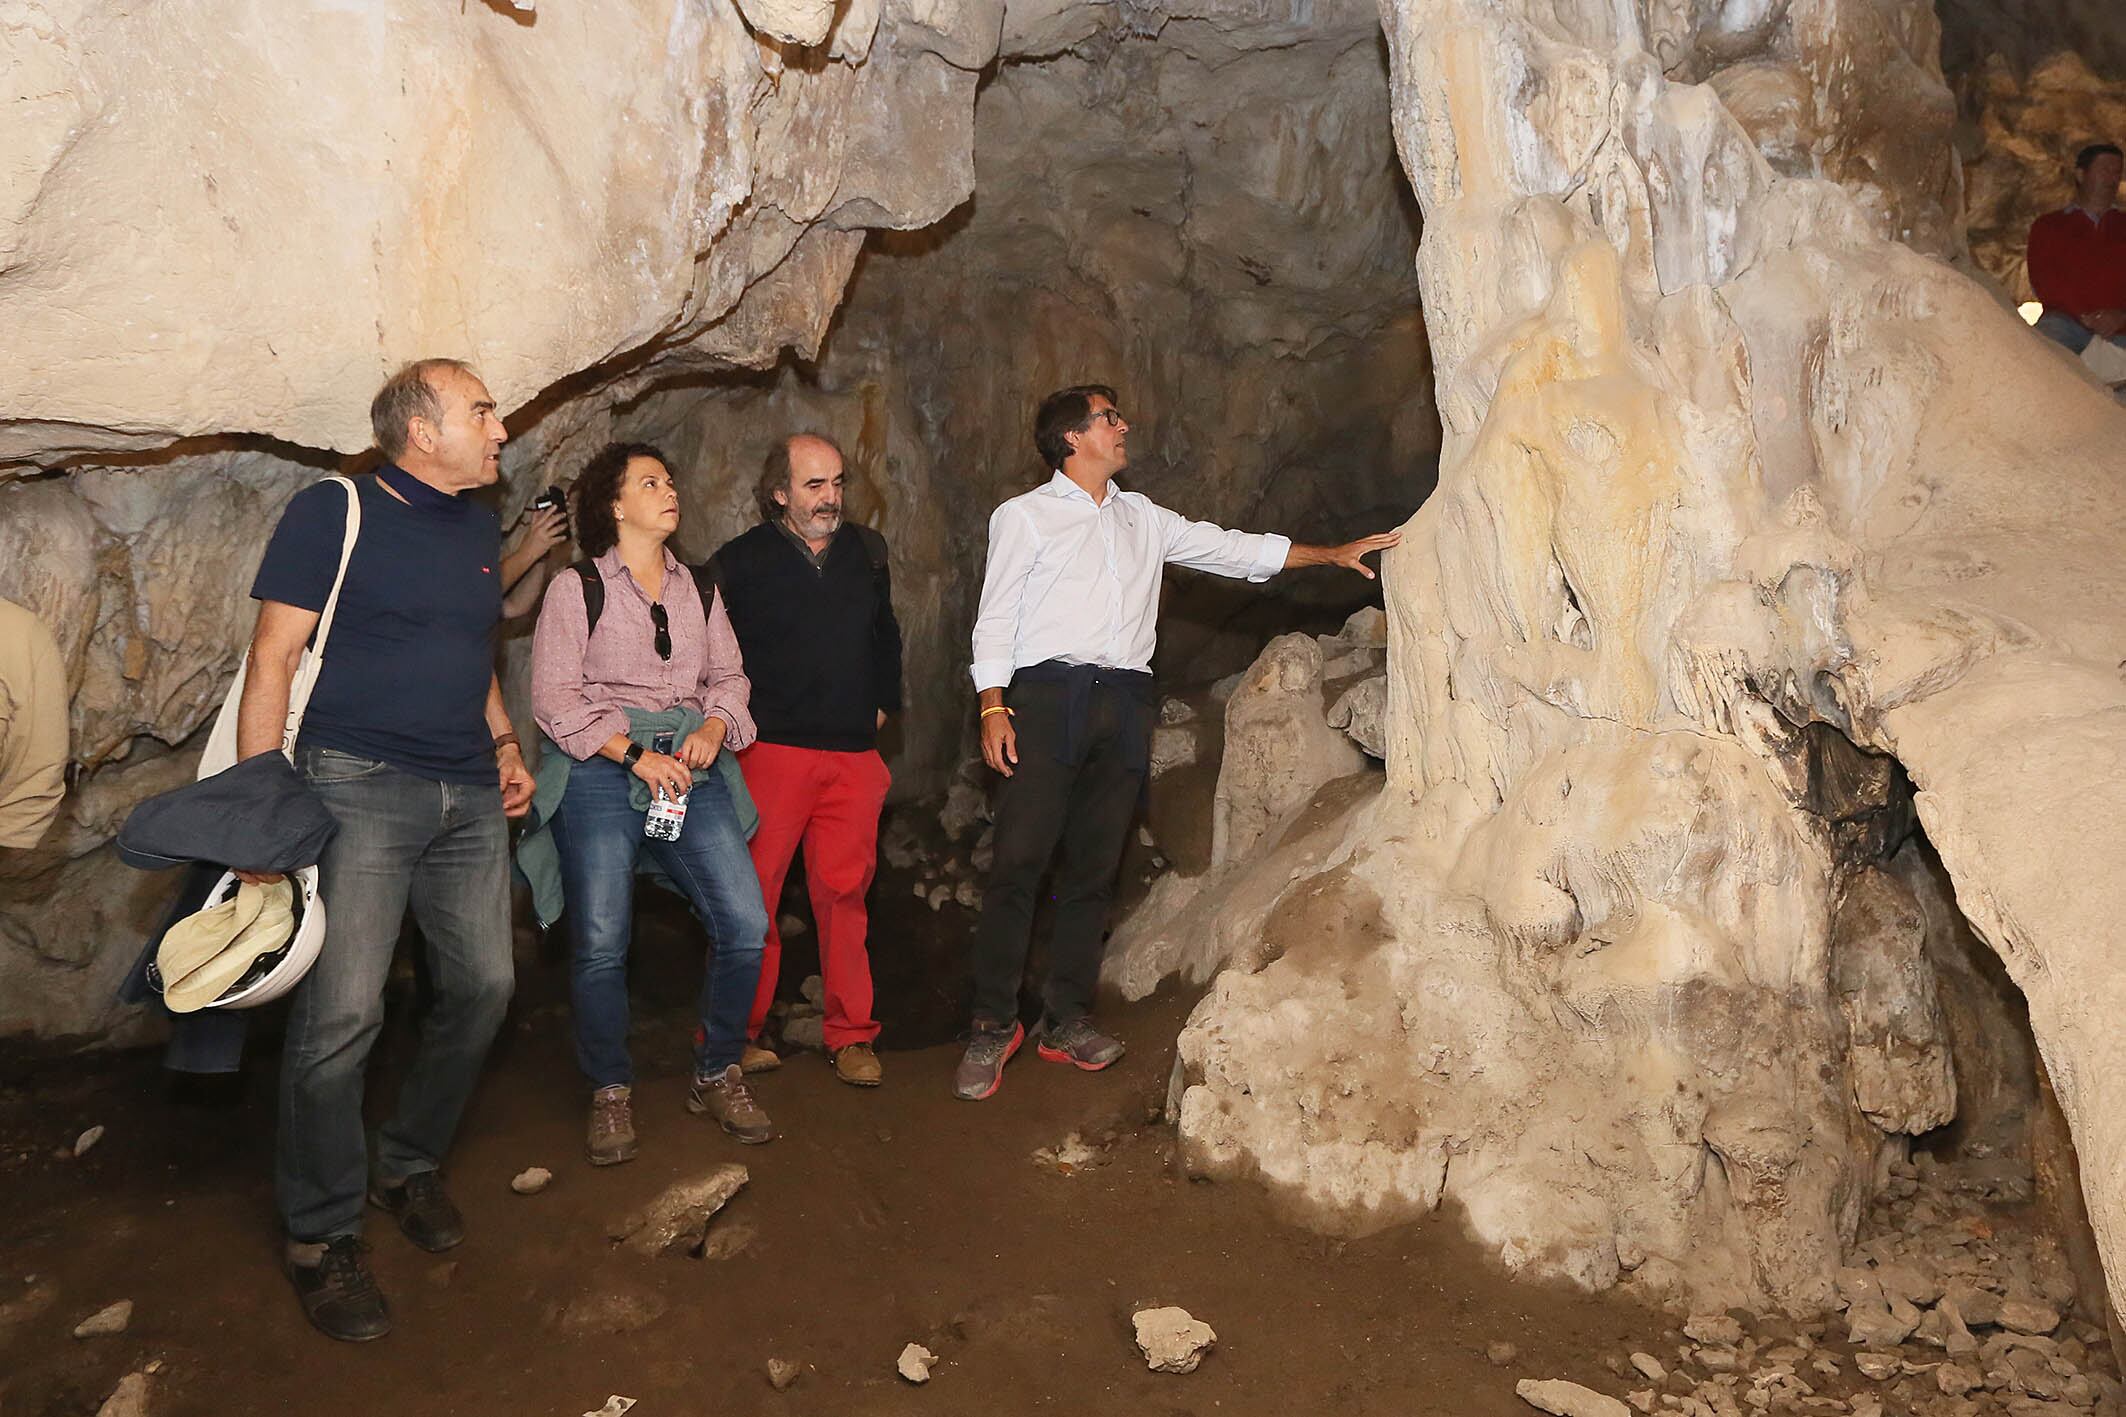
{"type": "Point", "coordinates": [221, 741]}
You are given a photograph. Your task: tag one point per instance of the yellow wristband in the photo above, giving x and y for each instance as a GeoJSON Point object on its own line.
{"type": "Point", "coordinates": [997, 708]}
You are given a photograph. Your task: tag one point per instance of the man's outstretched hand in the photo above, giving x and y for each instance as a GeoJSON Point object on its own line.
{"type": "Point", "coordinates": [1350, 555]}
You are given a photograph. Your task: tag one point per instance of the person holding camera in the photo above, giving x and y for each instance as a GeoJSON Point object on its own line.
{"type": "Point", "coordinates": [637, 679]}
{"type": "Point", "coordinates": [543, 527]}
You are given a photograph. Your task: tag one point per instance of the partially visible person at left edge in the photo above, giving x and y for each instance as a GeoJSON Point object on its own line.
{"type": "Point", "coordinates": [406, 742]}
{"type": "Point", "coordinates": [33, 694]}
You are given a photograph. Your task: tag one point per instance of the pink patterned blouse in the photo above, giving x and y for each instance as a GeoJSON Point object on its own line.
{"type": "Point", "coordinates": [582, 685]}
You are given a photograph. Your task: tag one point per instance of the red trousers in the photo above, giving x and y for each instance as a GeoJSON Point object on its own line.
{"type": "Point", "coordinates": [828, 802]}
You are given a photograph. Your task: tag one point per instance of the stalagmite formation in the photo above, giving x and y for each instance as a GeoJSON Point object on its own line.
{"type": "Point", "coordinates": [1748, 508]}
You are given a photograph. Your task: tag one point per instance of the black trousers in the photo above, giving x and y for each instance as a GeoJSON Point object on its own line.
{"type": "Point", "coordinates": [1083, 739]}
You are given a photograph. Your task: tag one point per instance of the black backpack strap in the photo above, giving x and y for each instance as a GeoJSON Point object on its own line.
{"type": "Point", "coordinates": [708, 582]}
{"type": "Point", "coordinates": [874, 546]}
{"type": "Point", "coordinates": [593, 592]}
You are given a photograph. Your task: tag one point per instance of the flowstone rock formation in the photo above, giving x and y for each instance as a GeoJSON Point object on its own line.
{"type": "Point", "coordinates": [1759, 531]}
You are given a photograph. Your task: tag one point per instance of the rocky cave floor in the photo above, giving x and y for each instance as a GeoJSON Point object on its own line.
{"type": "Point", "coordinates": [1014, 1239]}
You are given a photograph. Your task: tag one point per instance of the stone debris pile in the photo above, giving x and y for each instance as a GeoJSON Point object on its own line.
{"type": "Point", "coordinates": [804, 1019]}
{"type": "Point", "coordinates": [1948, 1308]}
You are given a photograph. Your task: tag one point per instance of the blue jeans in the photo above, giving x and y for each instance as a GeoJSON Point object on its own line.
{"type": "Point", "coordinates": [2066, 330]}
{"type": "Point", "coordinates": [598, 835]}
{"type": "Point", "coordinates": [441, 847]}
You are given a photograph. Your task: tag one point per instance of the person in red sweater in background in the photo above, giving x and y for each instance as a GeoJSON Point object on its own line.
{"type": "Point", "coordinates": [2078, 256]}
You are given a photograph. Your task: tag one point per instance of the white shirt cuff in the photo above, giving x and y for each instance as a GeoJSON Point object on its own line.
{"type": "Point", "coordinates": [1270, 559]}
{"type": "Point", "coordinates": [991, 674]}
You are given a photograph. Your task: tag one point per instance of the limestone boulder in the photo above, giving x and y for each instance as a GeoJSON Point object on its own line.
{"type": "Point", "coordinates": [1279, 749]}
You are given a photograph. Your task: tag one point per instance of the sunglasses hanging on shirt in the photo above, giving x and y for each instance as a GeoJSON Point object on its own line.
{"type": "Point", "coordinates": [664, 629]}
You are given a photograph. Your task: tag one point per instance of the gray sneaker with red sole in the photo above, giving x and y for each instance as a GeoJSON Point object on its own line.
{"type": "Point", "coordinates": [981, 1069]}
{"type": "Point", "coordinates": [1079, 1044]}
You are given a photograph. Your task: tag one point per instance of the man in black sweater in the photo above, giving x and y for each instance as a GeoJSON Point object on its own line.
{"type": "Point", "coordinates": [811, 600]}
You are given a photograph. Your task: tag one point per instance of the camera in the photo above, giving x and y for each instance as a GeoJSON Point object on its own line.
{"type": "Point", "coordinates": [553, 497]}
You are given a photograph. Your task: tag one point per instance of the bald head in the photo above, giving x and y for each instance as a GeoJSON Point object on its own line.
{"type": "Point", "coordinates": [801, 486]}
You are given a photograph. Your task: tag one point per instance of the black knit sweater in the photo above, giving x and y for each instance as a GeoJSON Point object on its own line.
{"type": "Point", "coordinates": [821, 644]}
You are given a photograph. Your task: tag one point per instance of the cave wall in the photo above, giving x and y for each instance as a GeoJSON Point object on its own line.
{"type": "Point", "coordinates": [645, 224]}
{"type": "Point", "coordinates": [1733, 460]}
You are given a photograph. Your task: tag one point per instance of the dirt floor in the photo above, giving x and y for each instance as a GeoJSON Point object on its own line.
{"type": "Point", "coordinates": [878, 1218]}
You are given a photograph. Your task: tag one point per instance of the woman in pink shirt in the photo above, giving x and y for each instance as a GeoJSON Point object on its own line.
{"type": "Point", "coordinates": [642, 703]}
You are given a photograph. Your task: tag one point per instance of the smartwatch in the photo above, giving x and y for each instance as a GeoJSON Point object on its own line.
{"type": "Point", "coordinates": [632, 756]}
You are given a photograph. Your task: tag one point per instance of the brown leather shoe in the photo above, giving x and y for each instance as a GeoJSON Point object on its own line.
{"type": "Point", "coordinates": [726, 1098]}
{"type": "Point", "coordinates": [857, 1065]}
{"type": "Point", "coordinates": [758, 1058]}
{"type": "Point", "coordinates": [609, 1139]}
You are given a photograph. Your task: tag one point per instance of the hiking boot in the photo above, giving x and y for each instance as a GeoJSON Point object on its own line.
{"type": "Point", "coordinates": [989, 1048]}
{"type": "Point", "coordinates": [758, 1058]}
{"type": "Point", "coordinates": [1079, 1044]}
{"type": "Point", "coordinates": [338, 1293]}
{"type": "Point", "coordinates": [726, 1098]}
{"type": "Point", "coordinates": [423, 1211]}
{"type": "Point", "coordinates": [610, 1137]}
{"type": "Point", "coordinates": [857, 1065]}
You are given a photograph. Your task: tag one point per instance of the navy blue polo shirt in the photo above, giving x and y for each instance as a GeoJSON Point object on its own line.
{"type": "Point", "coordinates": [412, 647]}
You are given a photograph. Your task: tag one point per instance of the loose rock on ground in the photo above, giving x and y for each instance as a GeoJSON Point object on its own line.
{"type": "Point", "coordinates": [915, 1362]}
{"type": "Point", "coordinates": [1172, 1340]}
{"type": "Point", "coordinates": [1565, 1399]}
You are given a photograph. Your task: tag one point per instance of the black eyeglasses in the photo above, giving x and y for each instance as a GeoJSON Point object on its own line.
{"type": "Point", "coordinates": [664, 629]}
{"type": "Point", "coordinates": [1108, 416]}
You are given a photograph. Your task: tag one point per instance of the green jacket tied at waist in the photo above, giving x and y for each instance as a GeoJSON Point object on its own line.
{"type": "Point", "coordinates": [539, 859]}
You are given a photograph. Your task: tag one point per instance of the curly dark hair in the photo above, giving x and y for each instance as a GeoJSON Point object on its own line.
{"type": "Point", "coordinates": [598, 487]}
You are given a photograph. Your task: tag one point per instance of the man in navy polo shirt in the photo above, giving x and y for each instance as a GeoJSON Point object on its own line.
{"type": "Point", "coordinates": [406, 742]}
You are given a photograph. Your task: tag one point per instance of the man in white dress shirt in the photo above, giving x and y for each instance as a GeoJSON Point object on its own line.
{"type": "Point", "coordinates": [1062, 661]}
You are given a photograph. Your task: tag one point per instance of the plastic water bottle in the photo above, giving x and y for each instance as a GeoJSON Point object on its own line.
{"type": "Point", "coordinates": [667, 814]}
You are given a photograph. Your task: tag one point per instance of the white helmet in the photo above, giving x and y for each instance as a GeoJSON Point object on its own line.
{"type": "Point", "coordinates": [255, 976]}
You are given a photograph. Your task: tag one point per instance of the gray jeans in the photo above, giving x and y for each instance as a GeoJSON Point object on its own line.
{"type": "Point", "coordinates": [443, 849]}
